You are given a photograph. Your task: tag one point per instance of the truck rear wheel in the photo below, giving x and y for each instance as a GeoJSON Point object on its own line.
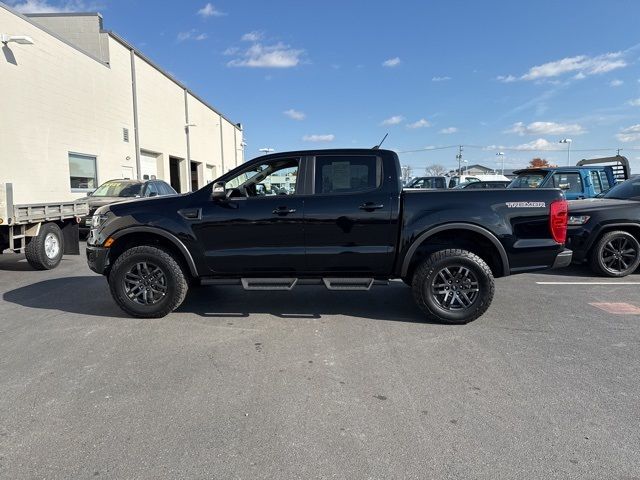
{"type": "Point", "coordinates": [453, 286]}
{"type": "Point", "coordinates": [616, 254]}
{"type": "Point", "coordinates": [147, 282]}
{"type": "Point", "coordinates": [45, 250]}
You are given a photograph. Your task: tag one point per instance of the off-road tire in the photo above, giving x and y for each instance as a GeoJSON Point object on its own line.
{"type": "Point", "coordinates": [597, 262]}
{"type": "Point", "coordinates": [176, 281]}
{"type": "Point", "coordinates": [426, 272]}
{"type": "Point", "coordinates": [35, 249]}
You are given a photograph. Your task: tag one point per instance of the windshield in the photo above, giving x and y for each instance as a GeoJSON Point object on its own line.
{"type": "Point", "coordinates": [118, 189]}
{"type": "Point", "coordinates": [528, 180]}
{"type": "Point", "coordinates": [625, 190]}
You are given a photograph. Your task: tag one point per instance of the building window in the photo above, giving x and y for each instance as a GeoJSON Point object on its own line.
{"type": "Point", "coordinates": [82, 172]}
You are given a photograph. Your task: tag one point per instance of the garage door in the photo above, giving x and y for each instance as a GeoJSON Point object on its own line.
{"type": "Point", "coordinates": [148, 166]}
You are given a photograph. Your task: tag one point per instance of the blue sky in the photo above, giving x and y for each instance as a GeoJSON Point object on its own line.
{"type": "Point", "coordinates": [494, 75]}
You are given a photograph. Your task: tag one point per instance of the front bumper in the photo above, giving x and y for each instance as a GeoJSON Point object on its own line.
{"type": "Point", "coordinates": [98, 259]}
{"type": "Point", "coordinates": [563, 259]}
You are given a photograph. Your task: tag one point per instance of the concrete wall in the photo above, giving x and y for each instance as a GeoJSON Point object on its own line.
{"type": "Point", "coordinates": [57, 99]}
{"type": "Point", "coordinates": [82, 30]}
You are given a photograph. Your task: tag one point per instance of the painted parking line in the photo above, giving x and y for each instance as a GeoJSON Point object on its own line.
{"type": "Point", "coordinates": [618, 308]}
{"type": "Point", "coordinates": [588, 283]}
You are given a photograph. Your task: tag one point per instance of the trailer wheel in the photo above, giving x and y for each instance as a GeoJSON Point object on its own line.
{"type": "Point", "coordinates": [45, 250]}
{"type": "Point", "coordinates": [147, 282]}
{"type": "Point", "coordinates": [453, 286]}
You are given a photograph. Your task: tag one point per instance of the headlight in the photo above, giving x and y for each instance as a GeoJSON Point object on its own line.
{"type": "Point", "coordinates": [97, 220]}
{"type": "Point", "coordinates": [578, 219]}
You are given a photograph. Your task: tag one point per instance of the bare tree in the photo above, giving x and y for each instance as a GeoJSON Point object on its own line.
{"type": "Point", "coordinates": [405, 173]}
{"type": "Point", "coordinates": [435, 170]}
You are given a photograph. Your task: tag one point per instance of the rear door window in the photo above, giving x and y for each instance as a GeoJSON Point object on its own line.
{"type": "Point", "coordinates": [595, 180]}
{"type": "Point", "coordinates": [347, 173]}
{"type": "Point", "coordinates": [606, 185]}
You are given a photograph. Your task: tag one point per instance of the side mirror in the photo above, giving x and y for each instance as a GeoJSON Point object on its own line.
{"type": "Point", "coordinates": [219, 190]}
{"type": "Point", "coordinates": [153, 194]}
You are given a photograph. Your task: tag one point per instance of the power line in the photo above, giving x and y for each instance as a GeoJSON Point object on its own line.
{"type": "Point", "coordinates": [513, 149]}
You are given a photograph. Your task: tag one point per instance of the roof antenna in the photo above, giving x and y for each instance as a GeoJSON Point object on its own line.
{"type": "Point", "coordinates": [377, 147]}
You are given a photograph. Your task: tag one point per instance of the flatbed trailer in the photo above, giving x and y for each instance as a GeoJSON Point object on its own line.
{"type": "Point", "coordinates": [43, 232]}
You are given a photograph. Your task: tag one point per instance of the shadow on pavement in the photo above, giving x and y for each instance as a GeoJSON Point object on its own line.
{"type": "Point", "coordinates": [89, 295]}
{"type": "Point", "coordinates": [574, 270]}
{"type": "Point", "coordinates": [393, 302]}
{"type": "Point", "coordinates": [12, 262]}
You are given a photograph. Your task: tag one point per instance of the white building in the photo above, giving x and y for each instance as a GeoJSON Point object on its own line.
{"type": "Point", "coordinates": [80, 106]}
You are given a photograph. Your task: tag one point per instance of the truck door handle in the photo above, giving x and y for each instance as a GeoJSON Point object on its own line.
{"type": "Point", "coordinates": [283, 211]}
{"type": "Point", "coordinates": [371, 206]}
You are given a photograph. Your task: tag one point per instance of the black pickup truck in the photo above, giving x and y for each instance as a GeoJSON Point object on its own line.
{"type": "Point", "coordinates": [332, 217]}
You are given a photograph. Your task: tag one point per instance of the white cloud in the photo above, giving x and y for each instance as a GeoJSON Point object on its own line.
{"type": "Point", "coordinates": [440, 79]}
{"type": "Point", "coordinates": [629, 134]}
{"type": "Point", "coordinates": [422, 123]}
{"type": "Point", "coordinates": [191, 35]}
{"type": "Point", "coordinates": [615, 83]}
{"type": "Point", "coordinates": [295, 114]}
{"type": "Point", "coordinates": [534, 145]}
{"type": "Point", "coordinates": [318, 138]}
{"type": "Point", "coordinates": [43, 6]}
{"type": "Point", "coordinates": [449, 130]}
{"type": "Point", "coordinates": [546, 128]}
{"type": "Point", "coordinates": [210, 11]}
{"type": "Point", "coordinates": [254, 36]}
{"type": "Point", "coordinates": [268, 56]}
{"type": "Point", "coordinates": [395, 120]}
{"type": "Point", "coordinates": [635, 102]}
{"type": "Point", "coordinates": [392, 62]}
{"type": "Point", "coordinates": [581, 65]}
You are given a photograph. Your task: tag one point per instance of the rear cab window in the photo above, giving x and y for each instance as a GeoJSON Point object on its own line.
{"type": "Point", "coordinates": [568, 181]}
{"type": "Point", "coordinates": [528, 180]}
{"type": "Point", "coordinates": [347, 173]}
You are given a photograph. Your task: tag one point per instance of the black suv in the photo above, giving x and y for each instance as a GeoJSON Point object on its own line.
{"type": "Point", "coordinates": [337, 218]}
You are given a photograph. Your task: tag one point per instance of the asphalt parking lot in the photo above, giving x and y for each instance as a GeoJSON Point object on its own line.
{"type": "Point", "coordinates": [317, 384]}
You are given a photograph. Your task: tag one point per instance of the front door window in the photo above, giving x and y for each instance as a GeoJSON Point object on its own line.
{"type": "Point", "coordinates": [279, 177]}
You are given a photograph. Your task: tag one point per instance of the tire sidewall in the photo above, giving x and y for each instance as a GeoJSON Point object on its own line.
{"type": "Point", "coordinates": [600, 249]}
{"type": "Point", "coordinates": [462, 316]}
{"type": "Point", "coordinates": [116, 281]}
{"type": "Point", "coordinates": [54, 230]}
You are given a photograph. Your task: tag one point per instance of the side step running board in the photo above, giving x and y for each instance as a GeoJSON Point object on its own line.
{"type": "Point", "coordinates": [268, 283]}
{"type": "Point", "coordinates": [348, 283]}
{"type": "Point", "coordinates": [337, 283]}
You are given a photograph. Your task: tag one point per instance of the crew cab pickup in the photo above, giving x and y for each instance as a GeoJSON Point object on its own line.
{"type": "Point", "coordinates": [587, 179]}
{"type": "Point", "coordinates": [337, 218]}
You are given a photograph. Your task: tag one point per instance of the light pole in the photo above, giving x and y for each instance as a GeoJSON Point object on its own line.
{"type": "Point", "coordinates": [501, 155]}
{"type": "Point", "coordinates": [266, 150]}
{"type": "Point", "coordinates": [568, 142]}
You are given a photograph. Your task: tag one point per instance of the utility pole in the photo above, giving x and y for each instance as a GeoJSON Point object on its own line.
{"type": "Point", "coordinates": [618, 152]}
{"type": "Point", "coordinates": [459, 158]}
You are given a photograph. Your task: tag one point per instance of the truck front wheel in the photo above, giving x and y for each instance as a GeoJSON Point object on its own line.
{"type": "Point", "coordinates": [44, 251]}
{"type": "Point", "coordinates": [453, 286]}
{"type": "Point", "coordinates": [147, 282]}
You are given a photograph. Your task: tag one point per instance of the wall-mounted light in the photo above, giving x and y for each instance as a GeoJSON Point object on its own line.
{"type": "Point", "coordinates": [20, 39]}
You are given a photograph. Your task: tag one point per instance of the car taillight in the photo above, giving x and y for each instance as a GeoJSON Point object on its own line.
{"type": "Point", "coordinates": [558, 220]}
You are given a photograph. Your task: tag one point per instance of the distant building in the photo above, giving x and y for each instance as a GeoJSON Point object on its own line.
{"type": "Point", "coordinates": [476, 169]}
{"type": "Point", "coordinates": [81, 106]}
